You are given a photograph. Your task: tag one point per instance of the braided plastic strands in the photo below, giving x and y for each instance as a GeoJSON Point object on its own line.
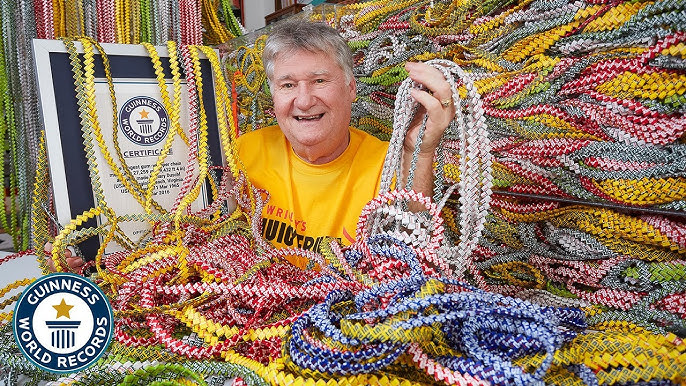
{"type": "Point", "coordinates": [417, 315]}
{"type": "Point", "coordinates": [18, 119]}
{"type": "Point", "coordinates": [108, 21]}
{"type": "Point", "coordinates": [243, 66]}
{"type": "Point", "coordinates": [474, 188]}
{"type": "Point", "coordinates": [583, 102]}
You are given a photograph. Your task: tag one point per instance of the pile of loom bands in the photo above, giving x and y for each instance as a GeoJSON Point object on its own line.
{"type": "Point", "coordinates": [451, 330]}
{"type": "Point", "coordinates": [625, 272]}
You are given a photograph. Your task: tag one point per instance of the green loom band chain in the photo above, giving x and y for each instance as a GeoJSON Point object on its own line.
{"type": "Point", "coordinates": [230, 19]}
{"type": "Point", "coordinates": [392, 76]}
{"type": "Point", "coordinates": [7, 118]}
{"type": "Point", "coordinates": [30, 117]}
{"type": "Point", "coordinates": [13, 359]}
{"type": "Point", "coordinates": [153, 374]}
{"type": "Point", "coordinates": [145, 22]}
{"type": "Point", "coordinates": [659, 272]}
{"type": "Point", "coordinates": [9, 128]}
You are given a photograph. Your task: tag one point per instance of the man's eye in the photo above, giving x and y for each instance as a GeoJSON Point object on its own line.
{"type": "Point", "coordinates": [287, 85]}
{"type": "Point", "coordinates": [319, 81]}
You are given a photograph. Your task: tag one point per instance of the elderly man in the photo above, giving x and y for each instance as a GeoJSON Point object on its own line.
{"type": "Point", "coordinates": [319, 171]}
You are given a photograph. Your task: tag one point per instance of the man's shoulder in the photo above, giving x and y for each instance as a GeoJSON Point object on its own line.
{"type": "Point", "coordinates": [368, 140]}
{"type": "Point", "coordinates": [261, 134]}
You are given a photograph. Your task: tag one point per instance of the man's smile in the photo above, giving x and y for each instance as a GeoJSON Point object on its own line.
{"type": "Point", "coordinates": [308, 117]}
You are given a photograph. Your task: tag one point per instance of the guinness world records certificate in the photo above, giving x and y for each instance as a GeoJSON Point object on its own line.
{"type": "Point", "coordinates": [143, 127]}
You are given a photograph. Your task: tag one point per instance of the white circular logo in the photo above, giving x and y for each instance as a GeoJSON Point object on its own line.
{"type": "Point", "coordinates": [144, 121]}
{"type": "Point", "coordinates": [63, 323]}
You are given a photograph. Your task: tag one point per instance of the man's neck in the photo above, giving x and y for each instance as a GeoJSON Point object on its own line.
{"type": "Point", "coordinates": [312, 156]}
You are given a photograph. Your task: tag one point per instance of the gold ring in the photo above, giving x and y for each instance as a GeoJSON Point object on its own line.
{"type": "Point", "coordinates": [446, 102]}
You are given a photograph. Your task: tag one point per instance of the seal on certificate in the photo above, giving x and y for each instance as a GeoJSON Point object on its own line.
{"type": "Point", "coordinates": [63, 323]}
{"type": "Point", "coordinates": [144, 121]}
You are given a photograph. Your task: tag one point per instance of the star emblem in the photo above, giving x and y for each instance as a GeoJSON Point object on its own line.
{"type": "Point", "coordinates": [144, 114]}
{"type": "Point", "coordinates": [63, 309]}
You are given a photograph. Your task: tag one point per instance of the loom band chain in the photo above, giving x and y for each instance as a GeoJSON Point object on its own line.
{"type": "Point", "coordinates": [150, 375]}
{"type": "Point", "coordinates": [387, 77]}
{"type": "Point", "coordinates": [670, 41]}
{"type": "Point", "coordinates": [583, 273]}
{"type": "Point", "coordinates": [653, 191]}
{"type": "Point", "coordinates": [126, 178]}
{"type": "Point", "coordinates": [343, 262]}
{"type": "Point", "coordinates": [80, 77]}
{"type": "Point", "coordinates": [479, 370]}
{"type": "Point", "coordinates": [173, 109]}
{"type": "Point", "coordinates": [197, 131]}
{"type": "Point", "coordinates": [516, 273]}
{"type": "Point", "coordinates": [617, 278]}
{"type": "Point", "coordinates": [306, 355]}
{"type": "Point", "coordinates": [673, 322]}
{"type": "Point", "coordinates": [633, 161]}
{"type": "Point", "coordinates": [227, 134]}
{"type": "Point", "coordinates": [9, 287]}
{"type": "Point", "coordinates": [62, 239]}
{"type": "Point", "coordinates": [441, 373]}
{"type": "Point", "coordinates": [600, 223]}
{"type": "Point", "coordinates": [427, 252]}
{"type": "Point", "coordinates": [659, 272]}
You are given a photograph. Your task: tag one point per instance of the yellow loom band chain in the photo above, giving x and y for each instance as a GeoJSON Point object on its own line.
{"type": "Point", "coordinates": [654, 85]}
{"type": "Point", "coordinates": [59, 18]}
{"type": "Point", "coordinates": [443, 13]}
{"type": "Point", "coordinates": [73, 12]}
{"type": "Point", "coordinates": [646, 191]}
{"type": "Point", "coordinates": [41, 195]}
{"type": "Point", "coordinates": [126, 178]}
{"type": "Point", "coordinates": [227, 134]}
{"type": "Point", "coordinates": [333, 255]}
{"type": "Point", "coordinates": [602, 222]}
{"type": "Point", "coordinates": [129, 182]}
{"type": "Point", "coordinates": [207, 329]}
{"type": "Point", "coordinates": [460, 16]}
{"type": "Point", "coordinates": [215, 31]}
{"type": "Point", "coordinates": [616, 16]}
{"type": "Point", "coordinates": [367, 21]}
{"type": "Point", "coordinates": [173, 115]}
{"type": "Point", "coordinates": [59, 246]}
{"type": "Point", "coordinates": [155, 253]}
{"type": "Point", "coordinates": [176, 79]}
{"type": "Point", "coordinates": [84, 77]}
{"type": "Point", "coordinates": [513, 272]}
{"type": "Point", "coordinates": [138, 253]}
{"type": "Point", "coordinates": [598, 349]}
{"type": "Point", "coordinates": [539, 42]}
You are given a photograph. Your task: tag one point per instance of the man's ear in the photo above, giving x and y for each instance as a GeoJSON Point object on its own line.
{"type": "Point", "coordinates": [353, 88]}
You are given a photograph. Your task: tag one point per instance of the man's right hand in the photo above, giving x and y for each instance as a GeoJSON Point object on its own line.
{"type": "Point", "coordinates": [74, 262]}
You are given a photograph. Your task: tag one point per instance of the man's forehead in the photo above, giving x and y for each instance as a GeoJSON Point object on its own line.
{"type": "Point", "coordinates": [313, 73]}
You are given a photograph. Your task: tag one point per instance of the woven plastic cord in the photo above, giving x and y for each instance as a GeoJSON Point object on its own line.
{"type": "Point", "coordinates": [473, 188]}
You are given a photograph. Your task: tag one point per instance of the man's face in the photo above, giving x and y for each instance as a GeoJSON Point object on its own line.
{"type": "Point", "coordinates": [312, 102]}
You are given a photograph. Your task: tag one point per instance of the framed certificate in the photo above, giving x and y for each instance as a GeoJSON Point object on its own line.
{"type": "Point", "coordinates": [135, 129]}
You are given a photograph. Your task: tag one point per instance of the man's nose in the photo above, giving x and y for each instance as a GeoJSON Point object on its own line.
{"type": "Point", "coordinates": [304, 99]}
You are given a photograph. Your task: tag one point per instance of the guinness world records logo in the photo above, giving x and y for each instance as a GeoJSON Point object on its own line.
{"type": "Point", "coordinates": [144, 121]}
{"type": "Point", "coordinates": [63, 323]}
